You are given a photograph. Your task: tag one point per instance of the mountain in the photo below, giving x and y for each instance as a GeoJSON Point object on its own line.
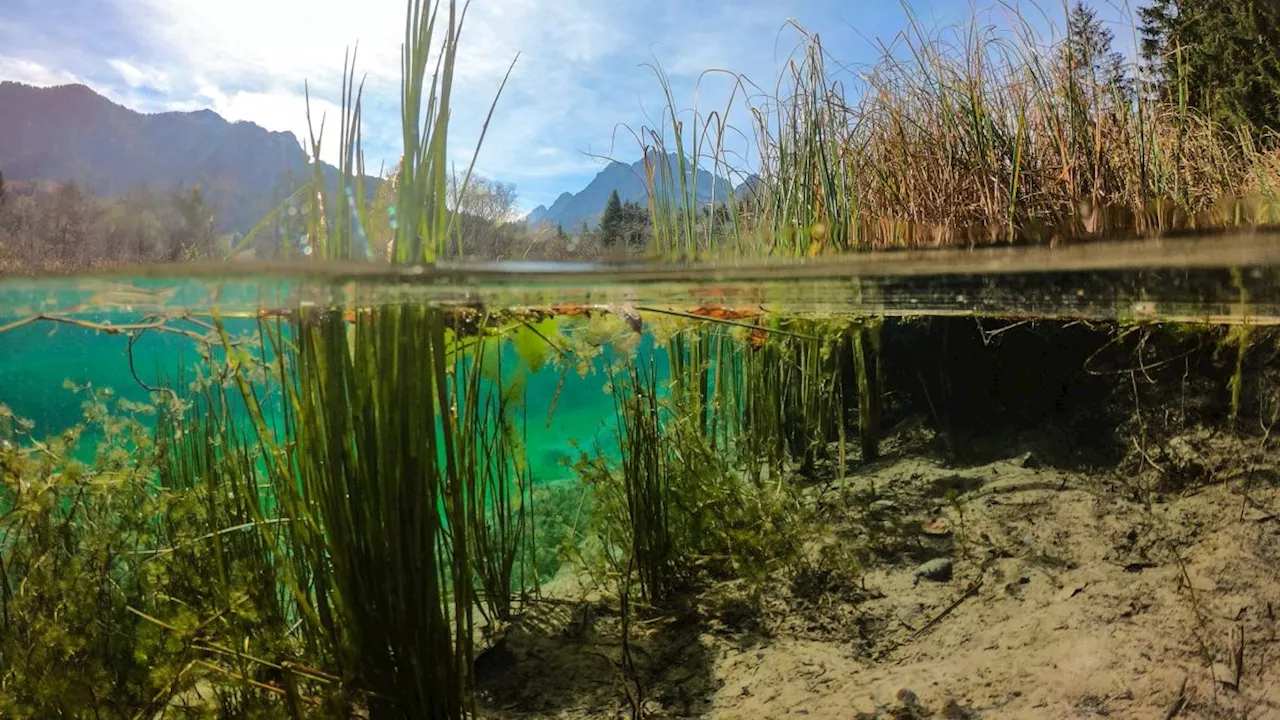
{"type": "Point", "coordinates": [72, 133]}
{"type": "Point", "coordinates": [586, 205]}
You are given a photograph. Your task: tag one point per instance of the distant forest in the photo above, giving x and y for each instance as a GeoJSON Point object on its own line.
{"type": "Point", "coordinates": [58, 227]}
{"type": "Point", "coordinates": [52, 226]}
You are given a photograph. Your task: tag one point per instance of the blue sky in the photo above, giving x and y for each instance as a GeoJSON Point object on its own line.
{"type": "Point", "coordinates": [578, 84]}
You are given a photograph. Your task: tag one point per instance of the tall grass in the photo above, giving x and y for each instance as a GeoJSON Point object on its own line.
{"type": "Point", "coordinates": [647, 482]}
{"type": "Point", "coordinates": [709, 448]}
{"type": "Point", "coordinates": [395, 506]}
{"type": "Point", "coordinates": [794, 399]}
{"type": "Point", "coordinates": [208, 467]}
{"type": "Point", "coordinates": [339, 221]}
{"type": "Point", "coordinates": [365, 469]}
{"type": "Point", "coordinates": [968, 135]}
{"type": "Point", "coordinates": [391, 499]}
{"type": "Point", "coordinates": [495, 471]}
{"type": "Point", "coordinates": [674, 152]}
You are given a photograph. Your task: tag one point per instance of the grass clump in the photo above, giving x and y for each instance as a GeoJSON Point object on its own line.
{"type": "Point", "coordinates": [688, 500]}
{"type": "Point", "coordinates": [394, 502]}
{"type": "Point", "coordinates": [966, 135]}
{"type": "Point", "coordinates": [392, 497]}
{"type": "Point", "coordinates": [130, 577]}
{"type": "Point", "coordinates": [492, 459]}
{"type": "Point", "coordinates": [794, 394]}
{"type": "Point", "coordinates": [367, 473]}
{"type": "Point", "coordinates": [647, 481]}
{"type": "Point", "coordinates": [71, 532]}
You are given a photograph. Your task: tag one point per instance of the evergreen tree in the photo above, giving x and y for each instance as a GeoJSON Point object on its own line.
{"type": "Point", "coordinates": [1159, 35]}
{"type": "Point", "coordinates": [2, 188]}
{"type": "Point", "coordinates": [612, 220]}
{"type": "Point", "coordinates": [1089, 52]}
{"type": "Point", "coordinates": [196, 234]}
{"type": "Point", "coordinates": [634, 225]}
{"type": "Point", "coordinates": [1223, 54]}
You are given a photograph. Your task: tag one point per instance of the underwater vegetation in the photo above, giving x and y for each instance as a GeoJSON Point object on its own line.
{"type": "Point", "coordinates": [336, 510]}
{"type": "Point", "coordinates": [338, 518]}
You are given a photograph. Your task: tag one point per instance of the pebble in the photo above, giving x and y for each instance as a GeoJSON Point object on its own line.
{"type": "Point", "coordinates": [1026, 460]}
{"type": "Point", "coordinates": [908, 698]}
{"type": "Point", "coordinates": [883, 506]}
{"type": "Point", "coordinates": [938, 570]}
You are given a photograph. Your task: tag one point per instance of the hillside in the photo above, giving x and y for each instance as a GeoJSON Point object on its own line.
{"type": "Point", "coordinates": [571, 209]}
{"type": "Point", "coordinates": [72, 133]}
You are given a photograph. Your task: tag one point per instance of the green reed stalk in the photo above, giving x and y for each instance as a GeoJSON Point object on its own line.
{"type": "Point", "coordinates": [368, 463]}
{"type": "Point", "coordinates": [201, 452]}
{"type": "Point", "coordinates": [689, 354]}
{"type": "Point", "coordinates": [793, 398]}
{"type": "Point", "coordinates": [646, 481]}
{"type": "Point", "coordinates": [338, 223]}
{"type": "Point", "coordinates": [682, 227]}
{"type": "Point", "coordinates": [202, 455]}
{"type": "Point", "coordinates": [366, 468]}
{"type": "Point", "coordinates": [865, 346]}
{"type": "Point", "coordinates": [499, 488]}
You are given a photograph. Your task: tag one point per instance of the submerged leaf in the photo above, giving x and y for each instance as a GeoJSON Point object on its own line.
{"type": "Point", "coordinates": [532, 342]}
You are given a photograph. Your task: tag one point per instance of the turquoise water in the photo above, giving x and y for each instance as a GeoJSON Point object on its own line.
{"type": "Point", "coordinates": [78, 331]}
{"type": "Point", "coordinates": [565, 410]}
{"type": "Point", "coordinates": [1218, 280]}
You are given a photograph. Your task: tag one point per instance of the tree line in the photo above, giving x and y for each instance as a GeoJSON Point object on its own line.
{"type": "Point", "coordinates": [1221, 57]}
{"type": "Point", "coordinates": [59, 226]}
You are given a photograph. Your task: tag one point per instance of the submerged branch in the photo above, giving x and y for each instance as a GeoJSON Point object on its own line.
{"type": "Point", "coordinates": [722, 321]}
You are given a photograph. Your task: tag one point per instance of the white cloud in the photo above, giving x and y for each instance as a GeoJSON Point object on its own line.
{"type": "Point", "coordinates": [140, 76]}
{"type": "Point", "coordinates": [249, 59]}
{"type": "Point", "coordinates": [30, 72]}
{"type": "Point", "coordinates": [283, 41]}
{"type": "Point", "coordinates": [578, 80]}
{"type": "Point", "coordinates": [578, 73]}
{"type": "Point", "coordinates": [278, 111]}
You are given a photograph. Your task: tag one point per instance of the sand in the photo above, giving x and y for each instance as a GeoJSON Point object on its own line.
{"type": "Point", "coordinates": [1072, 593]}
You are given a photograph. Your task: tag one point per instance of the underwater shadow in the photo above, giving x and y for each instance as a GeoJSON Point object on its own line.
{"type": "Point", "coordinates": [564, 656]}
{"type": "Point", "coordinates": [1062, 391]}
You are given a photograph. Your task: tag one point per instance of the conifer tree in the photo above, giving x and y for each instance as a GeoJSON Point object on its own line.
{"type": "Point", "coordinates": [1223, 56]}
{"type": "Point", "coordinates": [612, 219]}
{"type": "Point", "coordinates": [1089, 51]}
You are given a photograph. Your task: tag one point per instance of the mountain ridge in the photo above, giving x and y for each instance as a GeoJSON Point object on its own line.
{"type": "Point", "coordinates": [73, 133]}
{"type": "Point", "coordinates": [570, 210]}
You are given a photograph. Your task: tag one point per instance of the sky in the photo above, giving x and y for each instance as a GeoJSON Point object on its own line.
{"type": "Point", "coordinates": [582, 87]}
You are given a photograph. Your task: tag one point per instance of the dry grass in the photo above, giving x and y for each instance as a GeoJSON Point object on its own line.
{"type": "Point", "coordinates": [972, 135]}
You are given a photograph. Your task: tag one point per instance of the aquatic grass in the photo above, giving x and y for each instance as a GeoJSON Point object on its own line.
{"type": "Point", "coordinates": [863, 344]}
{"type": "Point", "coordinates": [397, 498]}
{"type": "Point", "coordinates": [693, 380]}
{"type": "Point", "coordinates": [646, 482]}
{"type": "Point", "coordinates": [113, 592]}
{"type": "Point", "coordinates": [794, 395]}
{"type": "Point", "coordinates": [499, 489]}
{"type": "Point", "coordinates": [368, 473]}
{"type": "Point", "coordinates": [387, 498]}
{"type": "Point", "coordinates": [702, 485]}
{"type": "Point", "coordinates": [206, 462]}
